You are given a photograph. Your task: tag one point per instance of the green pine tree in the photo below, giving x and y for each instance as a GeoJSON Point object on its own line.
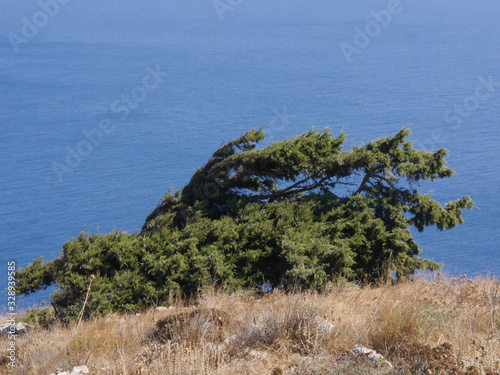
{"type": "Point", "coordinates": [299, 212]}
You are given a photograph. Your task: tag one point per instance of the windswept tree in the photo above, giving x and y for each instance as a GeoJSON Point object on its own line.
{"type": "Point", "coordinates": [302, 211]}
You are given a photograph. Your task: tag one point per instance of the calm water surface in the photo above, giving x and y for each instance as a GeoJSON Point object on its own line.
{"type": "Point", "coordinates": [261, 64]}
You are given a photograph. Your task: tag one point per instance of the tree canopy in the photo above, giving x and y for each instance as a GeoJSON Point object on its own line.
{"type": "Point", "coordinates": [300, 212]}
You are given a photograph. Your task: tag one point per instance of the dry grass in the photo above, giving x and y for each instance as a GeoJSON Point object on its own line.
{"type": "Point", "coordinates": [427, 326]}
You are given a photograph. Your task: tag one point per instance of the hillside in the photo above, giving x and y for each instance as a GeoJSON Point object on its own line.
{"type": "Point", "coordinates": [426, 326]}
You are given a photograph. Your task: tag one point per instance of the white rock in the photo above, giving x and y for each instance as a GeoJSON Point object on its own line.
{"type": "Point", "coordinates": [14, 329]}
{"type": "Point", "coordinates": [161, 308]}
{"type": "Point", "coordinates": [78, 370]}
{"type": "Point", "coordinates": [324, 325]}
{"type": "Point", "coordinates": [376, 359]}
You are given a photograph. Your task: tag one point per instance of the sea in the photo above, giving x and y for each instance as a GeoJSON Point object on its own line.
{"type": "Point", "coordinates": [105, 105]}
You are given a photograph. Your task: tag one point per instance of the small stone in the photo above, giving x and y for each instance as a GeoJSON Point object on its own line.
{"type": "Point", "coordinates": [16, 329]}
{"type": "Point", "coordinates": [324, 325]}
{"type": "Point", "coordinates": [376, 359]}
{"type": "Point", "coordinates": [80, 370]}
{"type": "Point", "coordinates": [161, 308]}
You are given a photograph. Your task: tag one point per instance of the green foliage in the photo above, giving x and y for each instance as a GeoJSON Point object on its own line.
{"type": "Point", "coordinates": [40, 316]}
{"type": "Point", "coordinates": [298, 212]}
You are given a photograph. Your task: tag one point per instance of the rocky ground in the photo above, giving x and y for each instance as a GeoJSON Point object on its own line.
{"type": "Point", "coordinates": [426, 326]}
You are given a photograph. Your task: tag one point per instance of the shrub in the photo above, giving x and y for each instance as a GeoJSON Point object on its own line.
{"type": "Point", "coordinates": [301, 212]}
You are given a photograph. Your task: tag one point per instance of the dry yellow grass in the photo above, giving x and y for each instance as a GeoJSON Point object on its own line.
{"type": "Point", "coordinates": [430, 326]}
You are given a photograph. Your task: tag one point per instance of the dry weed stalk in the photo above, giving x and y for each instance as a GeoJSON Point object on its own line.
{"type": "Point", "coordinates": [80, 315]}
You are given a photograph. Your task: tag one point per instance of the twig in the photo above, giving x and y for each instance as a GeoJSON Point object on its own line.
{"type": "Point", "coordinates": [80, 316]}
{"type": "Point", "coordinates": [440, 337]}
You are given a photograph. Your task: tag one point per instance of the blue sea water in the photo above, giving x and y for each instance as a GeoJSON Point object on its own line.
{"type": "Point", "coordinates": [219, 73]}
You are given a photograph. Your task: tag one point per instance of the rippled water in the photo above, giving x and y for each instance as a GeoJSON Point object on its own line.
{"type": "Point", "coordinates": [88, 68]}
